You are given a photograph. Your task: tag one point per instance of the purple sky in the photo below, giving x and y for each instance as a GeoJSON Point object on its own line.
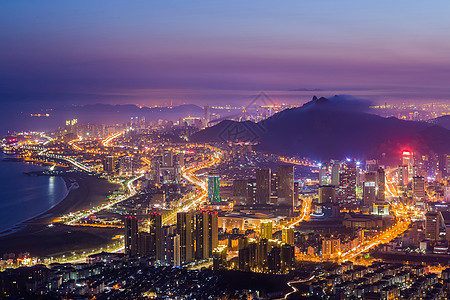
{"type": "Point", "coordinates": [210, 52]}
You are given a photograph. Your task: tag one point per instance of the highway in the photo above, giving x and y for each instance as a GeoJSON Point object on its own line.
{"type": "Point", "coordinates": [194, 200]}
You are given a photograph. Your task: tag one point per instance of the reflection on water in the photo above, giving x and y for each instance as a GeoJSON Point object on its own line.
{"type": "Point", "coordinates": [22, 196]}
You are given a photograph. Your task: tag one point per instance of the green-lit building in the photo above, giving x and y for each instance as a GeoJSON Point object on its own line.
{"type": "Point", "coordinates": [214, 187]}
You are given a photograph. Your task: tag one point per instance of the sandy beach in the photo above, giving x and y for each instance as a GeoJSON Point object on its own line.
{"type": "Point", "coordinates": [38, 239]}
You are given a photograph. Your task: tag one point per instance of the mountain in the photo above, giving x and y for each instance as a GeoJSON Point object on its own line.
{"type": "Point", "coordinates": [337, 127]}
{"type": "Point", "coordinates": [443, 121]}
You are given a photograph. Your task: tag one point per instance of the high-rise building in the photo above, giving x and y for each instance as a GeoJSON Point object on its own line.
{"type": "Point", "coordinates": [263, 185]}
{"type": "Point", "coordinates": [287, 257]}
{"type": "Point", "coordinates": [266, 229]}
{"type": "Point", "coordinates": [274, 260]}
{"type": "Point", "coordinates": [131, 236]}
{"type": "Point", "coordinates": [327, 194]}
{"type": "Point", "coordinates": [447, 194]}
{"type": "Point", "coordinates": [324, 176]}
{"type": "Point", "coordinates": [207, 115]}
{"type": "Point", "coordinates": [206, 234]}
{"type": "Point", "coordinates": [155, 228]}
{"type": "Point", "coordinates": [370, 189]}
{"type": "Point", "coordinates": [179, 158]}
{"type": "Point", "coordinates": [418, 188]}
{"type": "Point", "coordinates": [274, 188]}
{"type": "Point", "coordinates": [214, 187]}
{"type": "Point", "coordinates": [126, 166]}
{"type": "Point", "coordinates": [110, 164]}
{"type": "Point", "coordinates": [371, 165]}
{"type": "Point", "coordinates": [185, 228]}
{"type": "Point", "coordinates": [402, 175]}
{"type": "Point", "coordinates": [251, 191]}
{"type": "Point", "coordinates": [285, 185]}
{"type": "Point", "coordinates": [381, 185]}
{"type": "Point", "coordinates": [240, 192]}
{"type": "Point", "coordinates": [335, 168]}
{"type": "Point", "coordinates": [296, 193]}
{"type": "Point", "coordinates": [408, 160]}
{"type": "Point", "coordinates": [220, 257]}
{"type": "Point", "coordinates": [446, 165]}
{"type": "Point", "coordinates": [167, 159]}
{"type": "Point", "coordinates": [347, 183]}
{"type": "Point", "coordinates": [287, 235]}
{"type": "Point", "coordinates": [432, 226]}
{"type": "Point", "coordinates": [144, 244]}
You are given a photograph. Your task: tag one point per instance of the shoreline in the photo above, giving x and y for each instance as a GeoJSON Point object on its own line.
{"type": "Point", "coordinates": [84, 191]}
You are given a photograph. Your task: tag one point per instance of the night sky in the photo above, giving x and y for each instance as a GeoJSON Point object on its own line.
{"type": "Point", "coordinates": [208, 52]}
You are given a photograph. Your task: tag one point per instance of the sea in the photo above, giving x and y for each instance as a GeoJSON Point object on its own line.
{"type": "Point", "coordinates": [23, 197]}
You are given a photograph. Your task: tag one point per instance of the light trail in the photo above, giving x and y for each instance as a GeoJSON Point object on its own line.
{"type": "Point", "coordinates": [306, 208]}
{"type": "Point", "coordinates": [109, 139]}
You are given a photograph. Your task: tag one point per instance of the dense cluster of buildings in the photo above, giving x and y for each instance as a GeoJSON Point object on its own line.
{"type": "Point", "coordinates": [193, 238]}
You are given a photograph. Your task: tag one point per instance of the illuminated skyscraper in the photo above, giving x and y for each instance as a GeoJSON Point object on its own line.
{"type": "Point", "coordinates": [263, 185]}
{"type": "Point", "coordinates": [381, 185]}
{"type": "Point", "coordinates": [266, 229]}
{"type": "Point", "coordinates": [213, 187]}
{"type": "Point", "coordinates": [408, 160]}
{"type": "Point", "coordinates": [287, 235]}
{"type": "Point", "coordinates": [131, 236]}
{"type": "Point", "coordinates": [347, 183]}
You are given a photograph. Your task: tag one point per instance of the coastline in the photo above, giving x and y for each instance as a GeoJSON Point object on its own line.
{"type": "Point", "coordinates": [84, 191]}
